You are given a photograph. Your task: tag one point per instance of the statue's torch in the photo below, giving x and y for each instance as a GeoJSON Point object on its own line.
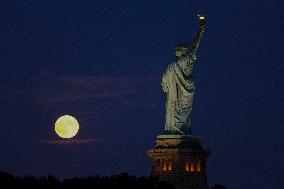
{"type": "Point", "coordinates": [201, 19]}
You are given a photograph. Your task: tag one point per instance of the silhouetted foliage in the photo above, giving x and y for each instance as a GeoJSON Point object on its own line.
{"type": "Point", "coordinates": [122, 180]}
{"type": "Point", "coordinates": [50, 182]}
{"type": "Point", "coordinates": [218, 186]}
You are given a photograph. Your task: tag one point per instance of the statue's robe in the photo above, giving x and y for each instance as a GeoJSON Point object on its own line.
{"type": "Point", "coordinates": [180, 90]}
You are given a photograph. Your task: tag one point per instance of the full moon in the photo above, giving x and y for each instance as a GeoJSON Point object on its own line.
{"type": "Point", "coordinates": [66, 126]}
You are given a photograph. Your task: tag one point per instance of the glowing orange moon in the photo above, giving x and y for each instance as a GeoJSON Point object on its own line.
{"type": "Point", "coordinates": [66, 126]}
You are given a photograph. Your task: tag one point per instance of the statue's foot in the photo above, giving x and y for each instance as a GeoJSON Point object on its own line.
{"type": "Point", "coordinates": [168, 132]}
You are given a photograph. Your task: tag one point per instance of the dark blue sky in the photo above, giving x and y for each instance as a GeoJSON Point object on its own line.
{"type": "Point", "coordinates": [102, 62]}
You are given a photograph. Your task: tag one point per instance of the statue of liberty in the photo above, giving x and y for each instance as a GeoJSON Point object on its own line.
{"type": "Point", "coordinates": [178, 84]}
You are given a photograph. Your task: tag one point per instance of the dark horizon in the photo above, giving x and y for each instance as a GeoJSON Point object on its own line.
{"type": "Point", "coordinates": [122, 180]}
{"type": "Point", "coordinates": [102, 63]}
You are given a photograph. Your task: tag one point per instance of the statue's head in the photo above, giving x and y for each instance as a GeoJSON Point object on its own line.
{"type": "Point", "coordinates": [181, 49]}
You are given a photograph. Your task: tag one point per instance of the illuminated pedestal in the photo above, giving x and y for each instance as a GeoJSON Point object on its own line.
{"type": "Point", "coordinates": [180, 159]}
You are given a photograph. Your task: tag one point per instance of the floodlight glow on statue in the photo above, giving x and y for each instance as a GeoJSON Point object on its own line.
{"type": "Point", "coordinates": [178, 84]}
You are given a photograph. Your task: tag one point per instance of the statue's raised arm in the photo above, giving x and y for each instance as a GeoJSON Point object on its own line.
{"type": "Point", "coordinates": [186, 56]}
{"type": "Point", "coordinates": [199, 34]}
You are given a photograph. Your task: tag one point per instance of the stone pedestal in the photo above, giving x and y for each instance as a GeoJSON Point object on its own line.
{"type": "Point", "coordinates": [181, 160]}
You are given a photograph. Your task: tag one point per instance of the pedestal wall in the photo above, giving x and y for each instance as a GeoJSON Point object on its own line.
{"type": "Point", "coordinates": [180, 159]}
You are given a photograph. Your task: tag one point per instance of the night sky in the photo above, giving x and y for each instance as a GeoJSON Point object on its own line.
{"type": "Point", "coordinates": [102, 62]}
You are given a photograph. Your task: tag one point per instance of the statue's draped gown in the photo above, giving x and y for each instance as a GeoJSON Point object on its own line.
{"type": "Point", "coordinates": [178, 83]}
